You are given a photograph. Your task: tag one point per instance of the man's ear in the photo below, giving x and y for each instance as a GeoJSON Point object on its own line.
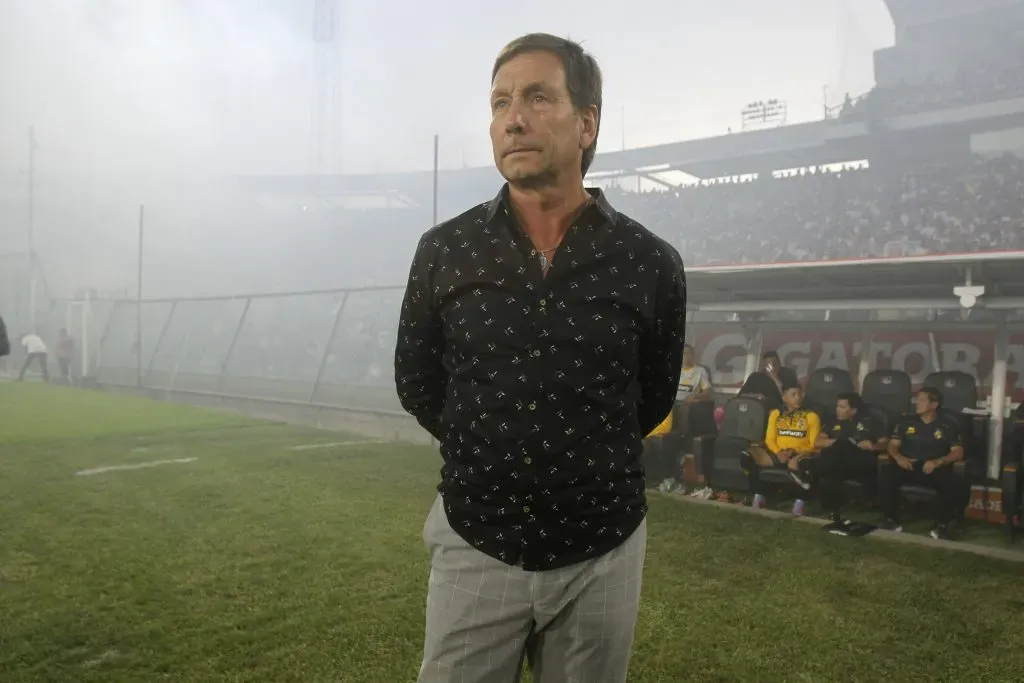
{"type": "Point", "coordinates": [591, 120]}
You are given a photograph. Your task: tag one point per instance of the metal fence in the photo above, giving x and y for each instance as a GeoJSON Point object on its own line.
{"type": "Point", "coordinates": [330, 347]}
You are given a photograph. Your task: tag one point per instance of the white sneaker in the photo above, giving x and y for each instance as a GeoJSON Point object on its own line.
{"type": "Point", "coordinates": [702, 493]}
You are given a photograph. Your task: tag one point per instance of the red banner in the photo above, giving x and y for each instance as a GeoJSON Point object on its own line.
{"type": "Point", "coordinates": [722, 350]}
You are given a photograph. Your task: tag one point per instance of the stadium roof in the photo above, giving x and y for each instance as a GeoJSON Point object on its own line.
{"type": "Point", "coordinates": [792, 145]}
{"type": "Point", "coordinates": [905, 283]}
{"type": "Point", "coordinates": [911, 12]}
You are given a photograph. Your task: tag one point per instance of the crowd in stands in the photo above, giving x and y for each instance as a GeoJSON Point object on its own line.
{"type": "Point", "coordinates": [979, 82]}
{"type": "Point", "coordinates": [950, 207]}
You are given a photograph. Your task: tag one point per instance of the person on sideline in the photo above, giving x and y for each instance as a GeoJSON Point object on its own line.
{"type": "Point", "coordinates": [35, 352]}
{"type": "Point", "coordinates": [670, 441]}
{"type": "Point", "coordinates": [65, 353]}
{"type": "Point", "coordinates": [5, 342]}
{"type": "Point", "coordinates": [540, 339]}
{"type": "Point", "coordinates": [791, 437]}
{"type": "Point", "coordinates": [924, 447]}
{"type": "Point", "coordinates": [850, 443]}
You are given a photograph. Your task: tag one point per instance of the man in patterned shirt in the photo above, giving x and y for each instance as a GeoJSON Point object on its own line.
{"type": "Point", "coordinates": [540, 339]}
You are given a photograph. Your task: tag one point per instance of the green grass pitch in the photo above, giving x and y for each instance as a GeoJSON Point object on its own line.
{"type": "Point", "coordinates": [254, 562]}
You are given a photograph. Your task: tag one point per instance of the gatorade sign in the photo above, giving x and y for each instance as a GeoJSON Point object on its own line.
{"type": "Point", "coordinates": [723, 351]}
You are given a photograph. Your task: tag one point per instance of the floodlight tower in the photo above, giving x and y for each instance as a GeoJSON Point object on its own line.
{"type": "Point", "coordinates": [324, 125]}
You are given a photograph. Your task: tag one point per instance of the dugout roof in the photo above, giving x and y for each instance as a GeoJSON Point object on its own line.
{"type": "Point", "coordinates": [907, 282]}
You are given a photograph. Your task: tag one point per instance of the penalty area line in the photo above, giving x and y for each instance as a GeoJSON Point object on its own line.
{"type": "Point", "coordinates": [333, 444]}
{"type": "Point", "coordinates": [135, 466]}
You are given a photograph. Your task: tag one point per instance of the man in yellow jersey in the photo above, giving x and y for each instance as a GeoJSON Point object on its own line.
{"type": "Point", "coordinates": [790, 438]}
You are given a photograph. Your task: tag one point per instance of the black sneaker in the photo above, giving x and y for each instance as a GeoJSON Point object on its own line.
{"type": "Point", "coordinates": [890, 524]}
{"type": "Point", "coordinates": [939, 532]}
{"type": "Point", "coordinates": [837, 519]}
{"type": "Point", "coordinates": [837, 525]}
{"type": "Point", "coordinates": [798, 478]}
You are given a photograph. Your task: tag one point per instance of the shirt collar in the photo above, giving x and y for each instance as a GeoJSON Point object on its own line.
{"type": "Point", "coordinates": [500, 204]}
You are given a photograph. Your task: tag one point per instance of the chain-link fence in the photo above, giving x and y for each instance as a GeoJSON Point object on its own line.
{"type": "Point", "coordinates": [330, 347]}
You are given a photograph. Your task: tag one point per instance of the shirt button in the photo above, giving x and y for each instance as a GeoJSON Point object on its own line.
{"type": "Point", "coordinates": [532, 406]}
{"type": "Point", "coordinates": [526, 509]}
{"type": "Point", "coordinates": [536, 353]}
{"type": "Point", "coordinates": [527, 460]}
{"type": "Point", "coordinates": [543, 302]}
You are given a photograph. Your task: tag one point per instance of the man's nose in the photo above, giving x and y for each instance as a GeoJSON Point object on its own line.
{"type": "Point", "coordinates": [515, 123]}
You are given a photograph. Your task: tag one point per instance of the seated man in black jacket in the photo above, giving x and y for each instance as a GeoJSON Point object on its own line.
{"type": "Point", "coordinates": [850, 443]}
{"type": "Point", "coordinates": [924, 449]}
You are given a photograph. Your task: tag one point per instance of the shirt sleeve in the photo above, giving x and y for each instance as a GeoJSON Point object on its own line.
{"type": "Point", "coordinates": [771, 435]}
{"type": "Point", "coordinates": [705, 380]}
{"type": "Point", "coordinates": [813, 430]}
{"type": "Point", "coordinates": [661, 344]}
{"type": "Point", "coordinates": [420, 377]}
{"type": "Point", "coordinates": [951, 426]}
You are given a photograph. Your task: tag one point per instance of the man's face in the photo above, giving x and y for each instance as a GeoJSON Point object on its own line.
{"type": "Point", "coordinates": [688, 360]}
{"type": "Point", "coordinates": [843, 410]}
{"type": "Point", "coordinates": [793, 398]}
{"type": "Point", "coordinates": [536, 134]}
{"type": "Point", "coordinates": [923, 404]}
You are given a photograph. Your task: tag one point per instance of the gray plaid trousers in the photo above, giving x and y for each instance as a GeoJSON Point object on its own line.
{"type": "Point", "coordinates": [484, 617]}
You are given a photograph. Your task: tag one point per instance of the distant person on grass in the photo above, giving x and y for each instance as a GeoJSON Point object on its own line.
{"type": "Point", "coordinates": [35, 351]}
{"type": "Point", "coordinates": [540, 340]}
{"type": "Point", "coordinates": [65, 353]}
{"type": "Point", "coordinates": [5, 342]}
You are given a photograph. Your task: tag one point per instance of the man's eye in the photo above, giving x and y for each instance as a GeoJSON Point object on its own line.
{"type": "Point", "coordinates": [537, 97]}
{"type": "Point", "coordinates": [499, 104]}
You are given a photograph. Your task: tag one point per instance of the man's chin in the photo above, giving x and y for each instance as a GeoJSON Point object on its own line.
{"type": "Point", "coordinates": [528, 178]}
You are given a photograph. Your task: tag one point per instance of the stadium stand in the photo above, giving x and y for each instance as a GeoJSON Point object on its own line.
{"type": "Point", "coordinates": [942, 207]}
{"type": "Point", "coordinates": [895, 207]}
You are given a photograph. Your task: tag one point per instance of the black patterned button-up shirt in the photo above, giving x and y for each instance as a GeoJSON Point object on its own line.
{"type": "Point", "coordinates": [541, 388]}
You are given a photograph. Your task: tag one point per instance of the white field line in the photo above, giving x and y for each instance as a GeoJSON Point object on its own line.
{"type": "Point", "coordinates": [136, 466]}
{"type": "Point", "coordinates": [333, 444]}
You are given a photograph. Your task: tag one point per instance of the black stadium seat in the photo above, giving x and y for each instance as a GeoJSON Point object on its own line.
{"type": "Point", "coordinates": [744, 423]}
{"type": "Point", "coordinates": [879, 415]}
{"type": "Point", "coordinates": [745, 417]}
{"type": "Point", "coordinates": [823, 388]}
{"type": "Point", "coordinates": [890, 390]}
{"type": "Point", "coordinates": [959, 390]}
